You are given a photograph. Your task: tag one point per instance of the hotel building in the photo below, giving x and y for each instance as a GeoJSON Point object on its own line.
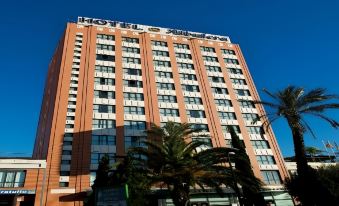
{"type": "Point", "coordinates": [108, 81]}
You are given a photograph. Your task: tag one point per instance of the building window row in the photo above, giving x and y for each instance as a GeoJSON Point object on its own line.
{"type": "Point", "coordinates": [132, 83]}
{"type": "Point", "coordinates": [105, 69]}
{"type": "Point", "coordinates": [131, 71]}
{"type": "Point", "coordinates": [265, 160]}
{"type": "Point", "coordinates": [105, 47]}
{"type": "Point", "coordinates": [130, 40]}
{"type": "Point", "coordinates": [183, 56]}
{"type": "Point", "coordinates": [193, 100]}
{"type": "Point", "coordinates": [167, 98]}
{"type": "Point", "coordinates": [228, 51]}
{"type": "Point", "coordinates": [104, 81]}
{"type": "Point", "coordinates": [159, 43]}
{"type": "Point", "coordinates": [101, 108]}
{"type": "Point", "coordinates": [104, 57]}
{"type": "Point", "coordinates": [165, 86]}
{"type": "Point", "coordinates": [104, 94]}
{"type": "Point", "coordinates": [227, 115]}
{"type": "Point", "coordinates": [195, 114]}
{"type": "Point", "coordinates": [160, 53]}
{"type": "Point", "coordinates": [131, 50]}
{"type": "Point", "coordinates": [103, 123]}
{"type": "Point", "coordinates": [210, 59]}
{"type": "Point", "coordinates": [213, 68]}
{"type": "Point", "coordinates": [105, 37]}
{"type": "Point", "coordinates": [181, 46]}
{"type": "Point", "coordinates": [133, 96]}
{"type": "Point", "coordinates": [131, 60]}
{"type": "Point", "coordinates": [135, 125]}
{"type": "Point", "coordinates": [223, 102]}
{"type": "Point", "coordinates": [185, 76]}
{"type": "Point", "coordinates": [239, 81]}
{"type": "Point", "coordinates": [103, 140]}
{"type": "Point", "coordinates": [231, 61]}
{"type": "Point", "coordinates": [164, 74]}
{"type": "Point", "coordinates": [158, 63]}
{"type": "Point", "coordinates": [134, 110]}
{"type": "Point", "coordinates": [169, 112]}
{"type": "Point", "coordinates": [207, 49]}
{"type": "Point", "coordinates": [12, 178]}
{"type": "Point", "coordinates": [190, 88]}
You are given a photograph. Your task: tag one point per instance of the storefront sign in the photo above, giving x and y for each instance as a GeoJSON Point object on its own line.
{"type": "Point", "coordinates": [14, 192]}
{"type": "Point", "coordinates": [140, 28]}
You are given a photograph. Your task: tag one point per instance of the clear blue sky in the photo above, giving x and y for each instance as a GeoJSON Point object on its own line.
{"type": "Point", "coordinates": [284, 43]}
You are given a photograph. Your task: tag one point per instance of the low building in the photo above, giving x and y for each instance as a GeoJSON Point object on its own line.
{"type": "Point", "coordinates": [21, 181]}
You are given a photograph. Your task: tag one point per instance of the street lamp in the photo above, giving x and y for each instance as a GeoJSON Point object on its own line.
{"type": "Point", "coordinates": [236, 189]}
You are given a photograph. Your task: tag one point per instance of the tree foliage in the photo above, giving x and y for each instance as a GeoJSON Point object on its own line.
{"type": "Point", "coordinates": [252, 187]}
{"type": "Point", "coordinates": [294, 104]}
{"type": "Point", "coordinates": [178, 163]}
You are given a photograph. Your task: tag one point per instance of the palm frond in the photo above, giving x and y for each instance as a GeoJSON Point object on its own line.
{"type": "Point", "coordinates": [331, 121]}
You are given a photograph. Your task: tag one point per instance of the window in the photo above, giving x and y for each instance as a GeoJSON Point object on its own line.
{"type": "Point", "coordinates": [74, 82]}
{"type": "Point", "coordinates": [65, 162]}
{"type": "Point", "coordinates": [271, 177]}
{"type": "Point", "coordinates": [234, 71]}
{"type": "Point", "coordinates": [246, 104]}
{"type": "Point", "coordinates": [250, 116]}
{"type": "Point", "coordinates": [159, 43]}
{"type": "Point", "coordinates": [193, 100]}
{"type": "Point", "coordinates": [100, 108]}
{"type": "Point", "coordinates": [169, 112]}
{"type": "Point", "coordinates": [227, 115]}
{"type": "Point", "coordinates": [104, 81]}
{"type": "Point", "coordinates": [131, 50]}
{"type": "Point", "coordinates": [242, 92]}
{"type": "Point", "coordinates": [235, 127]}
{"type": "Point", "coordinates": [67, 143]}
{"type": "Point", "coordinates": [207, 49]}
{"type": "Point", "coordinates": [223, 102]}
{"type": "Point", "coordinates": [165, 86]}
{"type": "Point", "coordinates": [213, 68]}
{"type": "Point", "coordinates": [164, 74]}
{"type": "Point", "coordinates": [12, 178]}
{"type": "Point", "coordinates": [104, 94]}
{"type": "Point", "coordinates": [130, 40]}
{"type": "Point", "coordinates": [104, 57]}
{"type": "Point", "coordinates": [255, 130]}
{"type": "Point", "coordinates": [188, 76]}
{"type": "Point", "coordinates": [202, 127]}
{"type": "Point", "coordinates": [207, 141]}
{"type": "Point", "coordinates": [216, 79]}
{"type": "Point", "coordinates": [239, 81]}
{"type": "Point", "coordinates": [181, 46]}
{"type": "Point", "coordinates": [66, 152]}
{"type": "Point", "coordinates": [63, 184]}
{"type": "Point", "coordinates": [133, 83]}
{"type": "Point", "coordinates": [135, 125]}
{"type": "Point", "coordinates": [103, 140]}
{"type": "Point", "coordinates": [134, 96]}
{"type": "Point", "coordinates": [265, 160]}
{"type": "Point", "coordinates": [64, 173]}
{"type": "Point", "coordinates": [231, 61]}
{"type": "Point", "coordinates": [72, 103]}
{"type": "Point", "coordinates": [160, 53]}
{"type": "Point", "coordinates": [196, 113]}
{"type": "Point", "coordinates": [134, 141]}
{"type": "Point", "coordinates": [134, 110]}
{"type": "Point", "coordinates": [167, 98]}
{"type": "Point", "coordinates": [130, 71]}
{"type": "Point", "coordinates": [228, 51]}
{"type": "Point", "coordinates": [96, 157]}
{"type": "Point", "coordinates": [70, 110]}
{"type": "Point", "coordinates": [105, 47]}
{"type": "Point", "coordinates": [185, 66]}
{"type": "Point", "coordinates": [103, 123]}
{"type": "Point", "coordinates": [105, 37]}
{"type": "Point", "coordinates": [69, 118]}
{"type": "Point", "coordinates": [72, 96]}
{"type": "Point", "coordinates": [183, 56]}
{"type": "Point", "coordinates": [131, 60]}
{"type": "Point", "coordinates": [190, 88]}
{"type": "Point", "coordinates": [159, 63]}
{"type": "Point", "coordinates": [218, 90]}
{"type": "Point", "coordinates": [106, 69]}
{"type": "Point", "coordinates": [210, 59]}
{"type": "Point", "coordinates": [260, 144]}
{"type": "Point", "coordinates": [69, 126]}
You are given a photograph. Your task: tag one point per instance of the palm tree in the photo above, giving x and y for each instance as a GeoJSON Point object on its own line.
{"type": "Point", "coordinates": [293, 104]}
{"type": "Point", "coordinates": [172, 159]}
{"type": "Point", "coordinates": [313, 151]}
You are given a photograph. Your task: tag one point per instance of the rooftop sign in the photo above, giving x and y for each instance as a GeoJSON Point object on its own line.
{"type": "Point", "coordinates": [151, 29]}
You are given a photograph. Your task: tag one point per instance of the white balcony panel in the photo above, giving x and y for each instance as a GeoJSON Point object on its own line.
{"type": "Point", "coordinates": [104, 74]}
{"type": "Point", "coordinates": [164, 80]}
{"type": "Point", "coordinates": [225, 109]}
{"type": "Point", "coordinates": [211, 54]}
{"type": "Point", "coordinates": [69, 130]}
{"type": "Point", "coordinates": [263, 152]}
{"type": "Point", "coordinates": [105, 52]}
{"type": "Point", "coordinates": [129, 54]}
{"type": "Point", "coordinates": [104, 41]}
{"type": "Point", "coordinates": [160, 48]}
{"type": "Point", "coordinates": [105, 63]}
{"type": "Point", "coordinates": [104, 101]}
{"type": "Point", "coordinates": [134, 117]}
{"type": "Point", "coordinates": [168, 118]}
{"type": "Point", "coordinates": [168, 105]}
{"type": "Point", "coordinates": [268, 167]}
{"type": "Point", "coordinates": [104, 115]}
{"type": "Point", "coordinates": [166, 92]}
{"type": "Point", "coordinates": [191, 94]}
{"type": "Point", "coordinates": [197, 120]}
{"type": "Point", "coordinates": [134, 103]}
{"type": "Point", "coordinates": [194, 107]}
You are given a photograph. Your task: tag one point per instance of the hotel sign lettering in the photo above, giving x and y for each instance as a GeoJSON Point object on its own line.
{"type": "Point", "coordinates": [144, 28]}
{"type": "Point", "coordinates": [13, 192]}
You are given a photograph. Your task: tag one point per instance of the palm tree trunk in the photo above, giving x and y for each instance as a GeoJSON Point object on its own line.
{"type": "Point", "coordinates": [180, 194]}
{"type": "Point", "coordinates": [299, 147]}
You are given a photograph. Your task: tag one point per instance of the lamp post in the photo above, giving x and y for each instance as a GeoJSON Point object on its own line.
{"type": "Point", "coordinates": [236, 189]}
